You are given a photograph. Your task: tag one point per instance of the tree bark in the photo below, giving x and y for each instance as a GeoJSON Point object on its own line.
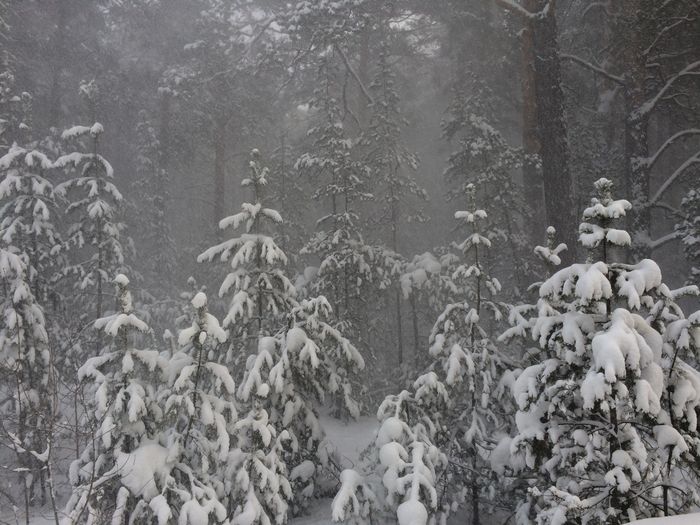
{"type": "Point", "coordinates": [532, 177]}
{"type": "Point", "coordinates": [551, 128]}
{"type": "Point", "coordinates": [637, 176]}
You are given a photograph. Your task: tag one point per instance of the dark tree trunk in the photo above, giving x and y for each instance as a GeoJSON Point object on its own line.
{"type": "Point", "coordinates": [631, 41]}
{"type": "Point", "coordinates": [161, 201]}
{"type": "Point", "coordinates": [532, 177]}
{"type": "Point", "coordinates": [551, 129]}
{"type": "Point", "coordinates": [58, 47]}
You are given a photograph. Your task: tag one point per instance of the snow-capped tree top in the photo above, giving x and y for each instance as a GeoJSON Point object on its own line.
{"type": "Point", "coordinates": [199, 300]}
{"type": "Point", "coordinates": [472, 214]}
{"type": "Point", "coordinates": [256, 278]}
{"type": "Point", "coordinates": [604, 206]}
{"type": "Point", "coordinates": [550, 253]}
{"type": "Point", "coordinates": [602, 211]}
{"type": "Point", "coordinates": [117, 323]}
{"type": "Point", "coordinates": [204, 324]}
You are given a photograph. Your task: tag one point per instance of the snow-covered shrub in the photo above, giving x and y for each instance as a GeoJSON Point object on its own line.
{"type": "Point", "coordinates": [27, 374]}
{"type": "Point", "coordinates": [93, 238]}
{"type": "Point", "coordinates": [123, 469]}
{"type": "Point", "coordinates": [435, 439]}
{"type": "Point", "coordinates": [355, 500]}
{"type": "Point", "coordinates": [260, 291]}
{"type": "Point", "coordinates": [593, 425]}
{"type": "Point", "coordinates": [200, 415]}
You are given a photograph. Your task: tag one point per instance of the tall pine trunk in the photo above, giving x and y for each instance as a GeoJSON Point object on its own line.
{"type": "Point", "coordinates": [554, 148]}
{"type": "Point", "coordinates": [532, 177]}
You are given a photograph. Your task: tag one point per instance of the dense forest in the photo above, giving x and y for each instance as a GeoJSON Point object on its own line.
{"type": "Point", "coordinates": [355, 261]}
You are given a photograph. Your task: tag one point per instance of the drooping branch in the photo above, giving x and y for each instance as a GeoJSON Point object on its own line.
{"type": "Point", "coordinates": [663, 32]}
{"type": "Point", "coordinates": [695, 159]}
{"type": "Point", "coordinates": [657, 243]}
{"type": "Point", "coordinates": [514, 7]}
{"type": "Point", "coordinates": [689, 70]}
{"type": "Point", "coordinates": [685, 133]}
{"type": "Point", "coordinates": [585, 63]}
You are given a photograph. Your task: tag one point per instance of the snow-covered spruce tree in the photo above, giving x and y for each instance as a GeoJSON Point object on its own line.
{"type": "Point", "coordinates": [28, 378]}
{"type": "Point", "coordinates": [123, 469]}
{"type": "Point", "coordinates": [435, 439]}
{"type": "Point", "coordinates": [289, 379]}
{"type": "Point", "coordinates": [391, 163]}
{"type": "Point", "coordinates": [261, 489]}
{"type": "Point", "coordinates": [350, 270]}
{"type": "Point", "coordinates": [259, 290]}
{"type": "Point", "coordinates": [200, 413]}
{"type": "Point", "coordinates": [593, 429]}
{"type": "Point", "coordinates": [94, 232]}
{"type": "Point", "coordinates": [483, 157]}
{"type": "Point", "coordinates": [27, 215]}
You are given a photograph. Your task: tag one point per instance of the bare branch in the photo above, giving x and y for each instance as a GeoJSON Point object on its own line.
{"type": "Point", "coordinates": [686, 132]}
{"type": "Point", "coordinates": [689, 70]}
{"type": "Point", "coordinates": [663, 240]}
{"type": "Point", "coordinates": [695, 159]}
{"type": "Point", "coordinates": [593, 67]}
{"type": "Point", "coordinates": [514, 7]}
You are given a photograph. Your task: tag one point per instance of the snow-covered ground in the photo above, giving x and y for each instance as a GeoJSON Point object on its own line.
{"type": "Point", "coordinates": [688, 519]}
{"type": "Point", "coordinates": [351, 439]}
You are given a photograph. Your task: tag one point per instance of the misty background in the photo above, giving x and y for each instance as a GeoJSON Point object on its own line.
{"type": "Point", "coordinates": [379, 115]}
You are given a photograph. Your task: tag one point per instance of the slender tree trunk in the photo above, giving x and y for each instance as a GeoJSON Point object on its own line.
{"type": "Point", "coordinates": [399, 326]}
{"type": "Point", "coordinates": [532, 177]}
{"type": "Point", "coordinates": [395, 246]}
{"type": "Point", "coordinates": [219, 170]}
{"type": "Point", "coordinates": [630, 39]}
{"type": "Point", "coordinates": [58, 47]}
{"type": "Point", "coordinates": [554, 149]}
{"type": "Point", "coordinates": [363, 73]}
{"type": "Point", "coordinates": [414, 320]}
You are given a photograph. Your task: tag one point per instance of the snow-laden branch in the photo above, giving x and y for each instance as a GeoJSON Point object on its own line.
{"type": "Point", "coordinates": [695, 159]}
{"type": "Point", "coordinates": [663, 32]}
{"type": "Point", "coordinates": [42, 457]}
{"type": "Point", "coordinates": [593, 67]}
{"type": "Point", "coordinates": [650, 161]}
{"type": "Point", "coordinates": [516, 8]}
{"type": "Point", "coordinates": [689, 70]}
{"type": "Point", "coordinates": [670, 209]}
{"type": "Point", "coordinates": [663, 240]}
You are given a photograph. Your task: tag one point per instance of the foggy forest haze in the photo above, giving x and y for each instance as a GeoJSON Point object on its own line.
{"type": "Point", "coordinates": [413, 262]}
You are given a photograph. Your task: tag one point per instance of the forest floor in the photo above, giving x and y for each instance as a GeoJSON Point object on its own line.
{"type": "Point", "coordinates": [351, 439]}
